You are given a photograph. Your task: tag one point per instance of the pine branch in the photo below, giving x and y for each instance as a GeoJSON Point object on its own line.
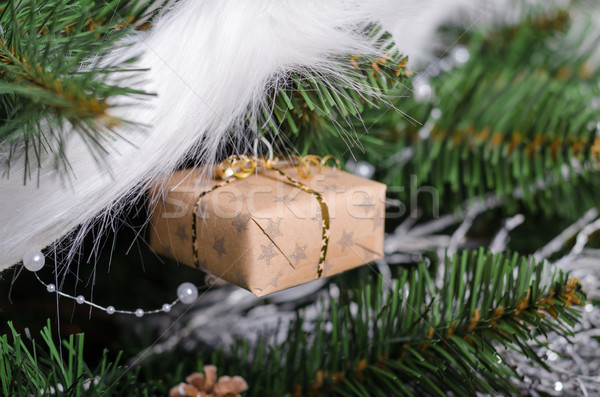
{"type": "Point", "coordinates": [28, 368]}
{"type": "Point", "coordinates": [520, 112]}
{"type": "Point", "coordinates": [419, 336]}
{"type": "Point", "coordinates": [422, 335]}
{"type": "Point", "coordinates": [310, 110]}
{"type": "Point", "coordinates": [45, 91]}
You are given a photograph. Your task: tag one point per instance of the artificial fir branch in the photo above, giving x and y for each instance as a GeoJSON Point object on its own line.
{"type": "Point", "coordinates": [310, 109]}
{"type": "Point", "coordinates": [534, 140]}
{"type": "Point", "coordinates": [43, 80]}
{"type": "Point", "coordinates": [491, 126]}
{"type": "Point", "coordinates": [35, 83]}
{"type": "Point", "coordinates": [422, 334]}
{"type": "Point", "coordinates": [35, 369]}
{"type": "Point", "coordinates": [469, 339]}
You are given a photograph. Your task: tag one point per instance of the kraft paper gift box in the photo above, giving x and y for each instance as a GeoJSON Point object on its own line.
{"type": "Point", "coordinates": [264, 234]}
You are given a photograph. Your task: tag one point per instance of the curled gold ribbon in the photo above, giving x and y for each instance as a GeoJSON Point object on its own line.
{"type": "Point", "coordinates": [330, 157]}
{"type": "Point", "coordinates": [304, 165]}
{"type": "Point", "coordinates": [240, 167]}
{"type": "Point", "coordinates": [237, 166]}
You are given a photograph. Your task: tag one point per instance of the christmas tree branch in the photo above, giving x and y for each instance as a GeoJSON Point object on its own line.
{"type": "Point", "coordinates": [44, 87]}
{"type": "Point", "coordinates": [421, 335]}
{"type": "Point", "coordinates": [314, 108]}
{"type": "Point", "coordinates": [36, 369]}
{"type": "Point", "coordinates": [489, 126]}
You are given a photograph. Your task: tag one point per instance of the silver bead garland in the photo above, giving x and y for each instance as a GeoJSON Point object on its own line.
{"type": "Point", "coordinates": [34, 261]}
{"type": "Point", "coordinates": [187, 293]}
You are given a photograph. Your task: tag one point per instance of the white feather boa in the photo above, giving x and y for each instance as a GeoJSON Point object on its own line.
{"type": "Point", "coordinates": [210, 62]}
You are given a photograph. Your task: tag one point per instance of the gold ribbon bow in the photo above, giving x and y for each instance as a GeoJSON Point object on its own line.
{"type": "Point", "coordinates": [241, 166]}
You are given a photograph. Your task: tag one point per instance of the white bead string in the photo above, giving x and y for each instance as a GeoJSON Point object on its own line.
{"type": "Point", "coordinates": [187, 293]}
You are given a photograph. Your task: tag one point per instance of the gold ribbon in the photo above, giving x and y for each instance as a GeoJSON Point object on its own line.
{"type": "Point", "coordinates": [240, 167]}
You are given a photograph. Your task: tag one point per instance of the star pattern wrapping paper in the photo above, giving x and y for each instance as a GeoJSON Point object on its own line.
{"type": "Point", "coordinates": [265, 235]}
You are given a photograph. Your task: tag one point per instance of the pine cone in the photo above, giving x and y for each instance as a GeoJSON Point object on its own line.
{"type": "Point", "coordinates": [207, 385]}
{"type": "Point", "coordinates": [230, 387]}
{"type": "Point", "coordinates": [183, 390]}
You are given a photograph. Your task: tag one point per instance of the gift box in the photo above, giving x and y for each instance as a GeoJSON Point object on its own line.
{"type": "Point", "coordinates": [266, 231]}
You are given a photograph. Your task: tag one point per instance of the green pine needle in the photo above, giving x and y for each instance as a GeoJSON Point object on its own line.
{"type": "Point", "coordinates": [517, 120]}
{"type": "Point", "coordinates": [43, 86]}
{"type": "Point", "coordinates": [416, 337]}
{"type": "Point", "coordinates": [31, 369]}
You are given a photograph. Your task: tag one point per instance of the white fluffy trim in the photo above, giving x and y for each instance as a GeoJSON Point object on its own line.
{"type": "Point", "coordinates": [210, 61]}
